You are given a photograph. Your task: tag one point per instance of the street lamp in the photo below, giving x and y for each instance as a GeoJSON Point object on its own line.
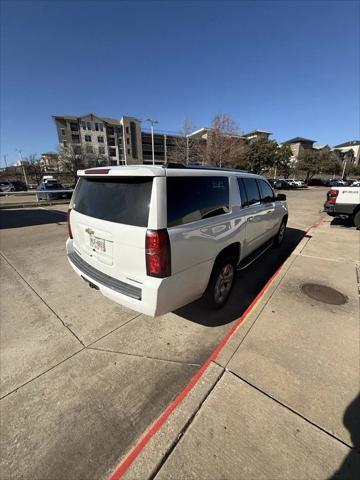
{"type": "Point", "coordinates": [152, 123]}
{"type": "Point", "coordinates": [22, 164]}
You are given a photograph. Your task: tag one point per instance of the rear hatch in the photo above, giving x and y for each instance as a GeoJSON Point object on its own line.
{"type": "Point", "coordinates": [109, 218]}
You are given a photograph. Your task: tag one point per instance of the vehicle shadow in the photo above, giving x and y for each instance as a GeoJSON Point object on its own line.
{"type": "Point", "coordinates": [350, 468]}
{"type": "Point", "coordinates": [342, 222]}
{"type": "Point", "coordinates": [26, 217]}
{"type": "Point", "coordinates": [248, 284]}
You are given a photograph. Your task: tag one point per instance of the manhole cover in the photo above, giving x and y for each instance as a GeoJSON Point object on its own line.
{"type": "Point", "coordinates": [324, 294]}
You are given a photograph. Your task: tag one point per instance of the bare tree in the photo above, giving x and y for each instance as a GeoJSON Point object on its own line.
{"type": "Point", "coordinates": [186, 149]}
{"type": "Point", "coordinates": [75, 157]}
{"type": "Point", "coordinates": [33, 167]}
{"type": "Point", "coordinates": [225, 146]}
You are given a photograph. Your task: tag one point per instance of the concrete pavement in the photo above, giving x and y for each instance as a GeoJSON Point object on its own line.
{"type": "Point", "coordinates": [286, 404]}
{"type": "Point", "coordinates": [85, 378]}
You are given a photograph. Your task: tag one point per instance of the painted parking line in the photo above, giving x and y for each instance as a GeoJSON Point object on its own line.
{"type": "Point", "coordinates": [155, 427]}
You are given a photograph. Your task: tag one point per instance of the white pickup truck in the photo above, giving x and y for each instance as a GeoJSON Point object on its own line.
{"type": "Point", "coordinates": [344, 201]}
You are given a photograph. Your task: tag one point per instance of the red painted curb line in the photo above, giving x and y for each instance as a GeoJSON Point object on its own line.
{"type": "Point", "coordinates": [134, 453]}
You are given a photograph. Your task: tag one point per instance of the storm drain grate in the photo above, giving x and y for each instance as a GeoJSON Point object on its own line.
{"type": "Point", "coordinates": [324, 294]}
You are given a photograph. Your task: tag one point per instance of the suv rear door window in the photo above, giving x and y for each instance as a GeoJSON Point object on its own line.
{"type": "Point", "coordinates": [123, 200]}
{"type": "Point", "coordinates": [190, 199]}
{"type": "Point", "coordinates": [266, 192]}
{"type": "Point", "coordinates": [252, 191]}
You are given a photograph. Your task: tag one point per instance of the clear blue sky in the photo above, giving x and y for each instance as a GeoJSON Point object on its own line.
{"type": "Point", "coordinates": [288, 67]}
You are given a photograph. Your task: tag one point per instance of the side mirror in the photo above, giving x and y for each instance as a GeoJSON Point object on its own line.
{"type": "Point", "coordinates": [281, 197]}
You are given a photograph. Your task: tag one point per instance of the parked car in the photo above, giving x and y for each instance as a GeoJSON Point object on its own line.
{"type": "Point", "coordinates": [344, 201]}
{"type": "Point", "coordinates": [12, 186]}
{"type": "Point", "coordinates": [316, 182]}
{"type": "Point", "coordinates": [155, 238]}
{"type": "Point", "coordinates": [295, 183]}
{"type": "Point", "coordinates": [355, 183]}
{"type": "Point", "coordinates": [282, 185]}
{"type": "Point", "coordinates": [45, 191]}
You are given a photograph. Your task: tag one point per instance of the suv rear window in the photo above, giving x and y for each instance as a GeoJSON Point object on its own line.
{"type": "Point", "coordinates": [190, 199]}
{"type": "Point", "coordinates": [123, 200]}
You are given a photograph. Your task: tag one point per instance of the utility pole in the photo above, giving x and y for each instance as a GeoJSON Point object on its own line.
{"type": "Point", "coordinates": [187, 149]}
{"type": "Point", "coordinates": [165, 150]}
{"type": "Point", "coordinates": [23, 166]}
{"type": "Point", "coordinates": [152, 123]}
{"type": "Point", "coordinates": [124, 143]}
{"type": "Point", "coordinates": [344, 168]}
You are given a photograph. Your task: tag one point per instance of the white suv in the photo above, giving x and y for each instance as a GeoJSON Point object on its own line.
{"type": "Point", "coordinates": [156, 238]}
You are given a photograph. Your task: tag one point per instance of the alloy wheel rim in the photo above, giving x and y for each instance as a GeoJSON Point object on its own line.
{"type": "Point", "coordinates": [224, 283]}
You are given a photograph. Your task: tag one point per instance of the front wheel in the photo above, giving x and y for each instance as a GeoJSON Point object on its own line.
{"type": "Point", "coordinates": [278, 240]}
{"type": "Point", "coordinates": [357, 220]}
{"type": "Point", "coordinates": [221, 283]}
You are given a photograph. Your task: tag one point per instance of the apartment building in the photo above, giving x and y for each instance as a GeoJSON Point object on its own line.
{"type": "Point", "coordinates": [116, 141]}
{"type": "Point", "coordinates": [350, 150]}
{"type": "Point", "coordinates": [298, 145]}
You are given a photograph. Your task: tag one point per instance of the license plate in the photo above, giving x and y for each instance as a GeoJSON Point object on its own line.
{"type": "Point", "coordinates": [97, 244]}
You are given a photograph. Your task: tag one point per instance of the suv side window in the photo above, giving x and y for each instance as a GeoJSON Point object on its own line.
{"type": "Point", "coordinates": [266, 192]}
{"type": "Point", "coordinates": [252, 191]}
{"type": "Point", "coordinates": [190, 199]}
{"type": "Point", "coordinates": [243, 195]}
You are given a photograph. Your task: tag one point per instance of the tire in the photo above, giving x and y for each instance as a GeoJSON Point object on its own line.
{"type": "Point", "coordinates": [357, 220]}
{"type": "Point", "coordinates": [278, 240]}
{"type": "Point", "coordinates": [221, 283]}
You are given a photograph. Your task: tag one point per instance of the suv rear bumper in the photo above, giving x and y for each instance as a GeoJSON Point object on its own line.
{"type": "Point", "coordinates": [334, 209]}
{"type": "Point", "coordinates": [154, 296]}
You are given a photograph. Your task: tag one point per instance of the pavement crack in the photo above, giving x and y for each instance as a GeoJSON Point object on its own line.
{"type": "Point", "coordinates": [115, 329]}
{"type": "Point", "coordinates": [179, 362]}
{"type": "Point", "coordinates": [43, 301]}
{"type": "Point", "coordinates": [307, 420]}
{"type": "Point", "coordinates": [183, 431]}
{"type": "Point", "coordinates": [41, 374]}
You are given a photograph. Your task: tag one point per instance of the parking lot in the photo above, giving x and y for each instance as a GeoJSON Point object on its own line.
{"type": "Point", "coordinates": [82, 377]}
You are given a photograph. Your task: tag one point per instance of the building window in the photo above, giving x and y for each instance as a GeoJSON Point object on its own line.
{"type": "Point", "coordinates": [74, 127]}
{"type": "Point", "coordinates": [127, 129]}
{"type": "Point", "coordinates": [87, 138]}
{"type": "Point", "coordinates": [110, 131]}
{"type": "Point", "coordinates": [75, 138]}
{"type": "Point", "coordinates": [63, 132]}
{"type": "Point", "coordinates": [111, 142]}
{"type": "Point", "coordinates": [133, 139]}
{"type": "Point", "coordinates": [88, 124]}
{"type": "Point", "coordinates": [128, 151]}
{"type": "Point", "coordinates": [128, 141]}
{"type": "Point", "coordinates": [112, 152]}
{"type": "Point", "coordinates": [119, 141]}
{"type": "Point", "coordinates": [101, 139]}
{"type": "Point", "coordinates": [102, 150]}
{"type": "Point", "coordinates": [97, 127]}
{"type": "Point", "coordinates": [83, 125]}
{"type": "Point", "coordinates": [89, 149]}
{"type": "Point", "coordinates": [101, 127]}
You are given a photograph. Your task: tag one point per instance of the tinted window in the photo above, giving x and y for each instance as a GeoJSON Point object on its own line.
{"type": "Point", "coordinates": [119, 200]}
{"type": "Point", "coordinates": [252, 191]}
{"type": "Point", "coordinates": [242, 192]}
{"type": "Point", "coordinates": [194, 198]}
{"type": "Point", "coordinates": [267, 194]}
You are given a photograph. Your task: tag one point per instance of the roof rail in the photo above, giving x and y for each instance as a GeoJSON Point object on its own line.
{"type": "Point", "coordinates": [198, 166]}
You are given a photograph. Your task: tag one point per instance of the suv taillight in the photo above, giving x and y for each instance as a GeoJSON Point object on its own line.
{"type": "Point", "coordinates": [331, 195]}
{"type": "Point", "coordinates": [158, 256]}
{"type": "Point", "coordinates": [68, 223]}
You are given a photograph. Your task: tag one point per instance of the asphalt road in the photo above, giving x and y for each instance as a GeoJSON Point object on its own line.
{"type": "Point", "coordinates": [82, 377]}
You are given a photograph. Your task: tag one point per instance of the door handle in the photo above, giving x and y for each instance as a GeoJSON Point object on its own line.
{"type": "Point", "coordinates": [269, 211]}
{"type": "Point", "coordinates": [250, 219]}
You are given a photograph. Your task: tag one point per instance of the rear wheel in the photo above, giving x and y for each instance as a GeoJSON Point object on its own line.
{"type": "Point", "coordinates": [278, 240]}
{"type": "Point", "coordinates": [357, 220]}
{"type": "Point", "coordinates": [221, 282]}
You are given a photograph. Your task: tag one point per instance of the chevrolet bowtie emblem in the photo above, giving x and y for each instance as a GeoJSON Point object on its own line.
{"type": "Point", "coordinates": [89, 231]}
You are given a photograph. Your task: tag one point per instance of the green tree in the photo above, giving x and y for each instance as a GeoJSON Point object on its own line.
{"type": "Point", "coordinates": [309, 162]}
{"type": "Point", "coordinates": [261, 155]}
{"type": "Point", "coordinates": [283, 162]}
